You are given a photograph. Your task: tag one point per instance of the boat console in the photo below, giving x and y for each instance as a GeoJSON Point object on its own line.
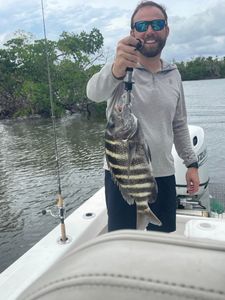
{"type": "Point", "coordinates": [197, 204]}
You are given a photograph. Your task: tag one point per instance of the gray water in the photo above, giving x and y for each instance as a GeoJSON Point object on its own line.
{"type": "Point", "coordinates": [28, 175]}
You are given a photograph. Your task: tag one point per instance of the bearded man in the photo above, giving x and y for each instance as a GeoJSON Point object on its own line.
{"type": "Point", "coordinates": [158, 103]}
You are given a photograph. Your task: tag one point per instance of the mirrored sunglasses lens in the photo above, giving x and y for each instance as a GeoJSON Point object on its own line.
{"type": "Point", "coordinates": [141, 26]}
{"type": "Point", "coordinates": [158, 24]}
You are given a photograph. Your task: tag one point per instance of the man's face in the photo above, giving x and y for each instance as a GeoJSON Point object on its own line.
{"type": "Point", "coordinates": [154, 41]}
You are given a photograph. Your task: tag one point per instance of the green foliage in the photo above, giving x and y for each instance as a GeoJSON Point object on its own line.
{"type": "Point", "coordinates": [23, 112]}
{"type": "Point", "coordinates": [202, 68]}
{"type": "Point", "coordinates": [24, 81]}
{"type": "Point", "coordinates": [73, 59]}
{"type": "Point", "coordinates": [99, 109]}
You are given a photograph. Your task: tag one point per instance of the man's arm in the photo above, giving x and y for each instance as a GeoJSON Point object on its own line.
{"type": "Point", "coordinates": [183, 146]}
{"type": "Point", "coordinates": [102, 85]}
{"type": "Point", "coordinates": [182, 139]}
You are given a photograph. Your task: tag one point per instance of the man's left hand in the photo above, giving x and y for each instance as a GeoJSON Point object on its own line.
{"type": "Point", "coordinates": [193, 181]}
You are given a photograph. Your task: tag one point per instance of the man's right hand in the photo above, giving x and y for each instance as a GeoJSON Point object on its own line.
{"type": "Point", "coordinates": [126, 56]}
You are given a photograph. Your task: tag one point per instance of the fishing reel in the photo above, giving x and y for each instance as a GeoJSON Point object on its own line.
{"type": "Point", "coordinates": [61, 215]}
{"type": "Point", "coordinates": [56, 211]}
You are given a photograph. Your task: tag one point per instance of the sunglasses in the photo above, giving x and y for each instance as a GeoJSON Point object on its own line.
{"type": "Point", "coordinates": [142, 26]}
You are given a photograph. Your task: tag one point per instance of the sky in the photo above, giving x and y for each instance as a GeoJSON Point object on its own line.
{"type": "Point", "coordinates": [197, 28]}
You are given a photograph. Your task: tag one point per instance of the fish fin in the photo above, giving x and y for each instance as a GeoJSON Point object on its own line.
{"type": "Point", "coordinates": [147, 153]}
{"type": "Point", "coordinates": [111, 172]}
{"type": "Point", "coordinates": [143, 219]}
{"type": "Point", "coordinates": [132, 149]}
{"type": "Point", "coordinates": [126, 197]}
{"type": "Point", "coordinates": [154, 191]}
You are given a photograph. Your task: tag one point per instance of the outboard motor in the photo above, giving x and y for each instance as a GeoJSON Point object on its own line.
{"type": "Point", "coordinates": [200, 200]}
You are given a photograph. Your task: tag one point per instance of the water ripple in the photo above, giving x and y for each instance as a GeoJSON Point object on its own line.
{"type": "Point", "coordinates": [28, 174]}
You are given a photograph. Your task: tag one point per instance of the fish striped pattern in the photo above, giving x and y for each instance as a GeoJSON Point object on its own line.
{"type": "Point", "coordinates": [131, 171]}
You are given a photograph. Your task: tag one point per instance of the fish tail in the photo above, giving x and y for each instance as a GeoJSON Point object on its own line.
{"type": "Point", "coordinates": [145, 217]}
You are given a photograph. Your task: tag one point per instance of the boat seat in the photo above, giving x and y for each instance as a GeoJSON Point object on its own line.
{"type": "Point", "coordinates": [130, 264]}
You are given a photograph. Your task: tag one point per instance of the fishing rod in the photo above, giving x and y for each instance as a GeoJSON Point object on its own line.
{"type": "Point", "coordinates": [60, 201]}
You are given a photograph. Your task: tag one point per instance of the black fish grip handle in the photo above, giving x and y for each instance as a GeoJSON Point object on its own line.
{"type": "Point", "coordinates": [129, 71]}
{"type": "Point", "coordinates": [128, 79]}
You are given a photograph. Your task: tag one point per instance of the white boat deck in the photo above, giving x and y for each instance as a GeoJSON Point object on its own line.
{"type": "Point", "coordinates": [84, 224]}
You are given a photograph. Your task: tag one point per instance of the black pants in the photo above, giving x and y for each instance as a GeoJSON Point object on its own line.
{"type": "Point", "coordinates": [121, 215]}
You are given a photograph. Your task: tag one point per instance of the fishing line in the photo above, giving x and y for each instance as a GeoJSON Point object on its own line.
{"type": "Point", "coordinates": [60, 202]}
{"type": "Point", "coordinates": [51, 100]}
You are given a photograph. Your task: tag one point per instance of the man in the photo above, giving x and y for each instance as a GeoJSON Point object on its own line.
{"type": "Point", "coordinates": [160, 108]}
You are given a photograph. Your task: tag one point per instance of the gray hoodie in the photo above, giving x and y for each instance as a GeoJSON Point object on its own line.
{"type": "Point", "coordinates": [158, 103]}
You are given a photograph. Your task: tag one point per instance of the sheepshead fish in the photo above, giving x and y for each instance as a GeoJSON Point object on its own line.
{"type": "Point", "coordinates": [129, 161]}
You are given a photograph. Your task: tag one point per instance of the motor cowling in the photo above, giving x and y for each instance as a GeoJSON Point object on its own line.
{"type": "Point", "coordinates": [199, 146]}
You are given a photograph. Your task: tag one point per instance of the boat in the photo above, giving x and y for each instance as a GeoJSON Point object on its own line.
{"type": "Point", "coordinates": [128, 264]}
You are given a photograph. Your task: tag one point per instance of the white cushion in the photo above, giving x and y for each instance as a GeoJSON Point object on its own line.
{"type": "Point", "coordinates": [136, 265]}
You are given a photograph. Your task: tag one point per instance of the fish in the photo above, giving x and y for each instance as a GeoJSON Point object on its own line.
{"type": "Point", "coordinates": [129, 160]}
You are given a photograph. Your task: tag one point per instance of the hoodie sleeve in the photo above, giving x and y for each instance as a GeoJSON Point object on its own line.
{"type": "Point", "coordinates": [102, 85]}
{"type": "Point", "coordinates": [182, 140]}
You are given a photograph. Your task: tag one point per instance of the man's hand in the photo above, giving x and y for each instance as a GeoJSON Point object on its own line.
{"type": "Point", "coordinates": [193, 181]}
{"type": "Point", "coordinates": [126, 56]}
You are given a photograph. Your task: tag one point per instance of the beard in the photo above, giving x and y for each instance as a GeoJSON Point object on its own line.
{"type": "Point", "coordinates": [151, 51]}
